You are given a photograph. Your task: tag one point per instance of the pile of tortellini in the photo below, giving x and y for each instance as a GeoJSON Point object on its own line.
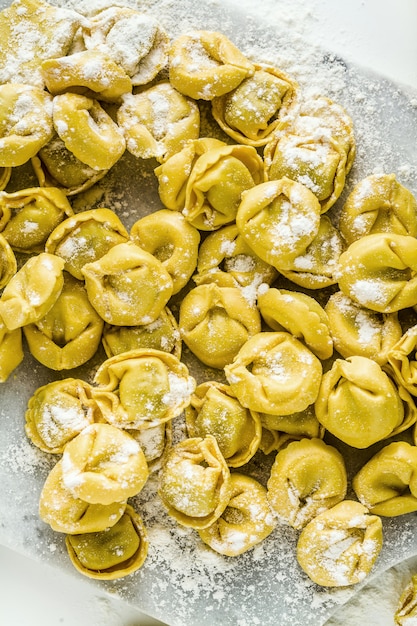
{"type": "Point", "coordinates": [303, 317]}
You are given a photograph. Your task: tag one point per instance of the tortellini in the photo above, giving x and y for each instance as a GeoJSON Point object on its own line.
{"type": "Point", "coordinates": [11, 350]}
{"type": "Point", "coordinates": [307, 478]}
{"type": "Point", "coordinates": [359, 331]}
{"type": "Point", "coordinates": [32, 291]}
{"type": "Point", "coordinates": [279, 219]}
{"type": "Point", "coordinates": [275, 373]}
{"type": "Point", "coordinates": [246, 520]}
{"type": "Point", "coordinates": [111, 553]}
{"type": "Point", "coordinates": [387, 483]}
{"type": "Point", "coordinates": [25, 122]}
{"type": "Point", "coordinates": [58, 411]}
{"type": "Point", "coordinates": [103, 464]}
{"type": "Point", "coordinates": [8, 262]}
{"type": "Point", "coordinates": [34, 213]}
{"type": "Point", "coordinates": [379, 272]}
{"type": "Point", "coordinates": [215, 322]}
{"type": "Point", "coordinates": [292, 426]}
{"type": "Point", "coordinates": [195, 482]}
{"type": "Point", "coordinates": [361, 404]}
{"type": "Point", "coordinates": [70, 332]}
{"type": "Point", "coordinates": [339, 547]}
{"type": "Point", "coordinates": [214, 410]}
{"type": "Point", "coordinates": [5, 175]}
{"type": "Point", "coordinates": [162, 334]}
{"type": "Point", "coordinates": [206, 64]}
{"type": "Point", "coordinates": [172, 240]}
{"type": "Point", "coordinates": [407, 605]}
{"type": "Point", "coordinates": [67, 514]}
{"type": "Point", "coordinates": [87, 130]}
{"type": "Point", "coordinates": [378, 204]}
{"type": "Point", "coordinates": [155, 443]}
{"type": "Point", "coordinates": [142, 388]}
{"type": "Point", "coordinates": [127, 286]}
{"type": "Point", "coordinates": [402, 357]}
{"type": "Point", "coordinates": [158, 121]}
{"type": "Point", "coordinates": [300, 315]}
{"type": "Point", "coordinates": [251, 112]}
{"type": "Point", "coordinates": [135, 41]}
{"type": "Point", "coordinates": [86, 237]}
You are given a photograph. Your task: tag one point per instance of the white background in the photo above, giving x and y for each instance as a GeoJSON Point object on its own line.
{"type": "Point", "coordinates": [380, 34]}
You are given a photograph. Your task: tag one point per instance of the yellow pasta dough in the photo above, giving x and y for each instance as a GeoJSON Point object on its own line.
{"type": "Point", "coordinates": [275, 373]}
{"type": "Point", "coordinates": [8, 262]}
{"type": "Point", "coordinates": [112, 553]}
{"type": "Point", "coordinates": [246, 520]}
{"type": "Point", "coordinates": [11, 350]}
{"type": "Point", "coordinates": [402, 358]}
{"type": "Point", "coordinates": [293, 426]}
{"type": "Point", "coordinates": [406, 611]}
{"type": "Point", "coordinates": [340, 546]}
{"type": "Point", "coordinates": [307, 478]}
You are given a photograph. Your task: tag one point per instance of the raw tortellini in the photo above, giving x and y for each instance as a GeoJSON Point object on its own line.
{"type": "Point", "coordinates": [403, 360]}
{"type": "Point", "coordinates": [215, 322]}
{"type": "Point", "coordinates": [387, 483]}
{"type": "Point", "coordinates": [307, 478]}
{"type": "Point", "coordinates": [246, 520]}
{"type": "Point", "coordinates": [195, 482]}
{"type": "Point", "coordinates": [142, 388]}
{"type": "Point", "coordinates": [111, 553]}
{"type": "Point", "coordinates": [407, 605]}
{"type": "Point", "coordinates": [11, 350]}
{"type": "Point", "coordinates": [8, 262]}
{"type": "Point", "coordinates": [340, 546]}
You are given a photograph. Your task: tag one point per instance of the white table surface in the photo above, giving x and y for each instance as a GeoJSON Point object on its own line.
{"type": "Point", "coordinates": [379, 34]}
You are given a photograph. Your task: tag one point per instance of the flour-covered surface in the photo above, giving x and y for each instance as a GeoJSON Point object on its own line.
{"type": "Point", "coordinates": [183, 582]}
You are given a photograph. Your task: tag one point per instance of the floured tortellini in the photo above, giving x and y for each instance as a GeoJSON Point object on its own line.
{"type": "Point", "coordinates": [86, 237]}
{"type": "Point", "coordinates": [88, 72]}
{"type": "Point", "coordinates": [8, 262]}
{"type": "Point", "coordinates": [11, 350]}
{"type": "Point", "coordinates": [214, 410]}
{"type": "Point", "coordinates": [387, 483]}
{"type": "Point", "coordinates": [25, 122]}
{"type": "Point", "coordinates": [379, 272]}
{"type": "Point", "coordinates": [300, 315]}
{"type": "Point", "coordinates": [194, 482]}
{"type": "Point", "coordinates": [103, 464]}
{"type": "Point", "coordinates": [279, 219]}
{"type": "Point", "coordinates": [174, 173]}
{"type": "Point", "coordinates": [67, 514]}
{"type": "Point", "coordinates": [226, 259]}
{"type": "Point", "coordinates": [142, 388]}
{"type": "Point", "coordinates": [402, 357]}
{"type": "Point", "coordinates": [275, 373]}
{"type": "Point", "coordinates": [172, 240]}
{"type": "Point", "coordinates": [32, 291]}
{"type": "Point", "coordinates": [360, 331]}
{"type": "Point", "coordinates": [378, 204]}
{"type": "Point", "coordinates": [70, 332]}
{"type": "Point", "coordinates": [406, 612]}
{"type": "Point", "coordinates": [127, 286]}
{"type": "Point", "coordinates": [206, 64]}
{"type": "Point", "coordinates": [246, 520]}
{"type": "Point", "coordinates": [111, 553]}
{"type": "Point", "coordinates": [87, 130]}
{"type": "Point", "coordinates": [251, 112]}
{"type": "Point", "coordinates": [158, 121]}
{"type": "Point", "coordinates": [316, 267]}
{"type": "Point", "coordinates": [34, 213]}
{"type": "Point", "coordinates": [216, 183]}
{"type": "Point", "coordinates": [155, 443]}
{"type": "Point", "coordinates": [307, 478]}
{"type": "Point", "coordinates": [216, 321]}
{"type": "Point", "coordinates": [295, 425]}
{"type": "Point", "coordinates": [135, 41]}
{"type": "Point", "coordinates": [58, 411]}
{"type": "Point", "coordinates": [340, 546]}
{"type": "Point", "coordinates": [359, 403]}
{"type": "Point", "coordinates": [162, 334]}
{"type": "Point", "coordinates": [56, 166]}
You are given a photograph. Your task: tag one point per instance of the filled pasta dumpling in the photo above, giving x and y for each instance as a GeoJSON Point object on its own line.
{"type": "Point", "coordinates": [246, 521]}
{"type": "Point", "coordinates": [339, 547]}
{"type": "Point", "coordinates": [195, 482]}
{"type": "Point", "coordinates": [112, 553]}
{"type": "Point", "coordinates": [8, 262]}
{"type": "Point", "coordinates": [103, 464]}
{"type": "Point", "coordinates": [11, 350]}
{"type": "Point", "coordinates": [214, 410]}
{"type": "Point", "coordinates": [407, 604]}
{"type": "Point", "coordinates": [402, 356]}
{"type": "Point", "coordinates": [307, 478]}
{"type": "Point", "coordinates": [275, 373]}
{"type": "Point", "coordinates": [142, 388]}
